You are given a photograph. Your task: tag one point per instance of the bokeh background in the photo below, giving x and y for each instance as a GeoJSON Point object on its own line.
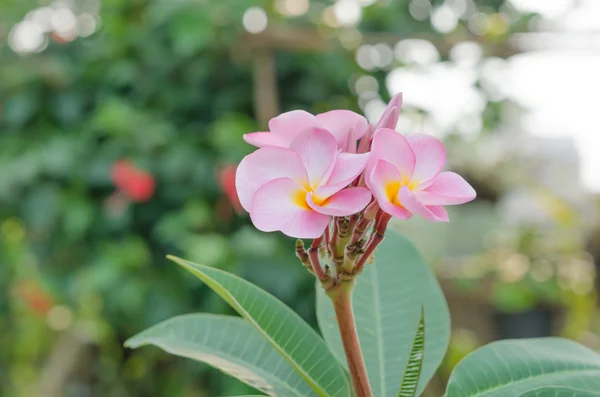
{"type": "Point", "coordinates": [120, 129]}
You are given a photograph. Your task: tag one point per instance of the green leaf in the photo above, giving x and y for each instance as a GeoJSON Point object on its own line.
{"type": "Point", "coordinates": [292, 337]}
{"type": "Point", "coordinates": [556, 391]}
{"type": "Point", "coordinates": [230, 344]}
{"type": "Point", "coordinates": [412, 373]}
{"type": "Point", "coordinates": [508, 368]}
{"type": "Point", "coordinates": [388, 299]}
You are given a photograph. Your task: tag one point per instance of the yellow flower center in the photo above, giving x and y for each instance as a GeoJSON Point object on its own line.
{"type": "Point", "coordinates": [299, 198]}
{"type": "Point", "coordinates": [392, 188]}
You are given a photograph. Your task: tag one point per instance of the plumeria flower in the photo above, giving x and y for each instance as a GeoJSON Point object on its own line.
{"type": "Point", "coordinates": [405, 176]}
{"type": "Point", "coordinates": [347, 127]}
{"type": "Point", "coordinates": [298, 189]}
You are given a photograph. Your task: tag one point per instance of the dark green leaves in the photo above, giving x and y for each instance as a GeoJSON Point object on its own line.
{"type": "Point", "coordinates": [230, 344]}
{"type": "Point", "coordinates": [295, 340]}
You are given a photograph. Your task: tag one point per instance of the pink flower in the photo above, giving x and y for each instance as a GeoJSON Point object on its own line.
{"type": "Point", "coordinates": [404, 176]}
{"type": "Point", "coordinates": [346, 126]}
{"type": "Point", "coordinates": [298, 189]}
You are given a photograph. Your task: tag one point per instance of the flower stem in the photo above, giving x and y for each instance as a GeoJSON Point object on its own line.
{"type": "Point", "coordinates": [341, 297]}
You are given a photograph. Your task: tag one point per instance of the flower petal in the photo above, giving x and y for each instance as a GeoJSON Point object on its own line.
{"type": "Point", "coordinates": [440, 212]}
{"type": "Point", "coordinates": [343, 203]}
{"type": "Point", "coordinates": [430, 156]}
{"type": "Point", "coordinates": [448, 188]}
{"type": "Point", "coordinates": [261, 139]}
{"type": "Point", "coordinates": [317, 149]}
{"type": "Point", "coordinates": [288, 125]}
{"type": "Point", "coordinates": [410, 202]}
{"type": "Point", "coordinates": [392, 147]}
{"type": "Point", "coordinates": [389, 119]}
{"type": "Point", "coordinates": [383, 176]}
{"type": "Point", "coordinates": [280, 205]}
{"type": "Point", "coordinates": [340, 122]}
{"type": "Point", "coordinates": [347, 167]}
{"type": "Point", "coordinates": [264, 165]}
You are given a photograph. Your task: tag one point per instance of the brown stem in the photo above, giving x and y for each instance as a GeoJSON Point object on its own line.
{"type": "Point", "coordinates": [374, 241]}
{"type": "Point", "coordinates": [313, 255]}
{"type": "Point", "coordinates": [342, 303]}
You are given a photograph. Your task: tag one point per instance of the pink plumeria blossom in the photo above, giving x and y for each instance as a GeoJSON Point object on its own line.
{"type": "Point", "coordinates": [346, 126]}
{"type": "Point", "coordinates": [297, 189]}
{"type": "Point", "coordinates": [404, 174]}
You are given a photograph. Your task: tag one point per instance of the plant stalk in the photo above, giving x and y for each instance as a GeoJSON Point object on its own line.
{"type": "Point", "coordinates": [341, 297]}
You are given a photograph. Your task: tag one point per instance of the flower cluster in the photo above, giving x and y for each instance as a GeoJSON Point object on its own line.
{"type": "Point", "coordinates": [332, 176]}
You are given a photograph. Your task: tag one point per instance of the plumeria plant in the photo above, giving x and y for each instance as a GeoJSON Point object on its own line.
{"type": "Point", "coordinates": [385, 326]}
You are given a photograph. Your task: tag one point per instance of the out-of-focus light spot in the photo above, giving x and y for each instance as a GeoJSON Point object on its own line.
{"type": "Point", "coordinates": [366, 3]}
{"type": "Point", "coordinates": [514, 268]}
{"type": "Point", "coordinates": [59, 318]}
{"type": "Point", "coordinates": [542, 271]}
{"type": "Point", "coordinates": [347, 12]}
{"type": "Point", "coordinates": [479, 24]}
{"type": "Point", "coordinates": [584, 17]}
{"type": "Point", "coordinates": [366, 84]}
{"type": "Point", "coordinates": [27, 37]}
{"type": "Point", "coordinates": [385, 55]}
{"type": "Point", "coordinates": [498, 24]}
{"type": "Point", "coordinates": [12, 230]}
{"type": "Point", "coordinates": [443, 19]}
{"type": "Point", "coordinates": [547, 8]}
{"type": "Point", "coordinates": [416, 51]}
{"type": "Point", "coordinates": [40, 16]}
{"type": "Point", "coordinates": [466, 52]}
{"type": "Point", "coordinates": [470, 125]}
{"type": "Point", "coordinates": [419, 9]}
{"type": "Point", "coordinates": [367, 57]}
{"type": "Point", "coordinates": [445, 90]}
{"type": "Point", "coordinates": [86, 24]}
{"type": "Point", "coordinates": [374, 109]}
{"type": "Point", "coordinates": [63, 21]}
{"type": "Point", "coordinates": [292, 8]}
{"type": "Point", "coordinates": [255, 20]}
{"type": "Point", "coordinates": [458, 7]}
{"type": "Point", "coordinates": [493, 78]}
{"type": "Point", "coordinates": [566, 108]}
{"type": "Point", "coordinates": [329, 18]}
{"type": "Point", "coordinates": [350, 38]}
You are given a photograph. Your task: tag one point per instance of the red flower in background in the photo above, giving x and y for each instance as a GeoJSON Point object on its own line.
{"type": "Point", "coordinates": [227, 181]}
{"type": "Point", "coordinates": [34, 296]}
{"type": "Point", "coordinates": [138, 185]}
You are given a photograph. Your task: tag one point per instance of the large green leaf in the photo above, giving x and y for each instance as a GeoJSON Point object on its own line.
{"type": "Point", "coordinates": [230, 344]}
{"type": "Point", "coordinates": [555, 391]}
{"type": "Point", "coordinates": [509, 368]}
{"type": "Point", "coordinates": [412, 373]}
{"type": "Point", "coordinates": [292, 337]}
{"type": "Point", "coordinates": [388, 299]}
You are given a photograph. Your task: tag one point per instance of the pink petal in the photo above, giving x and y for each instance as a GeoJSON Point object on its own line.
{"type": "Point", "coordinates": [448, 188]}
{"type": "Point", "coordinates": [317, 149]}
{"type": "Point", "coordinates": [440, 212]}
{"type": "Point", "coordinates": [410, 202]}
{"type": "Point", "coordinates": [280, 205]}
{"type": "Point", "coordinates": [343, 203]}
{"type": "Point", "coordinates": [288, 125]}
{"type": "Point", "coordinates": [340, 122]}
{"type": "Point", "coordinates": [260, 139]}
{"type": "Point", "coordinates": [392, 147]}
{"type": "Point", "coordinates": [389, 119]}
{"type": "Point", "coordinates": [430, 156]}
{"type": "Point", "coordinates": [347, 167]}
{"type": "Point", "coordinates": [264, 165]}
{"type": "Point", "coordinates": [378, 180]}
